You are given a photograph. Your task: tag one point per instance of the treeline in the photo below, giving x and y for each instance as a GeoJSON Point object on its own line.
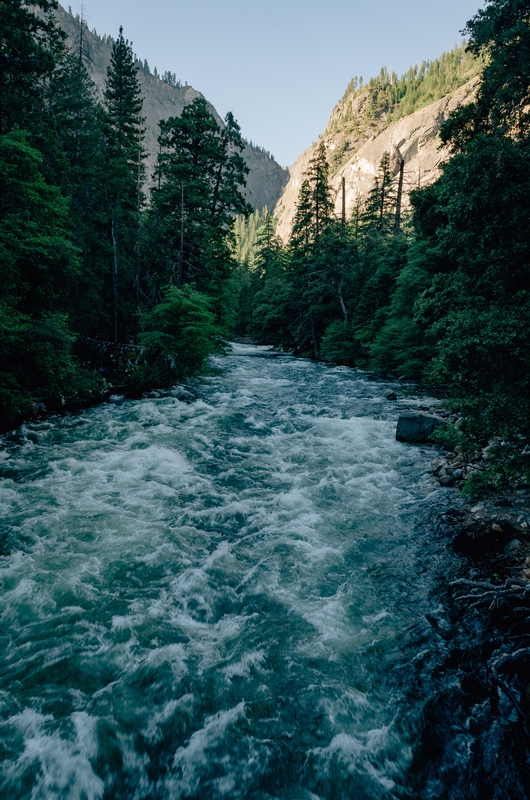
{"type": "Point", "coordinates": [89, 253]}
{"type": "Point", "coordinates": [443, 298]}
{"type": "Point", "coordinates": [393, 97]}
{"type": "Point", "coordinates": [166, 77]}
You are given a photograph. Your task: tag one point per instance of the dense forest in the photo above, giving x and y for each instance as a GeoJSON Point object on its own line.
{"type": "Point", "coordinates": [106, 280]}
{"type": "Point", "coordinates": [440, 295]}
{"type": "Point", "coordinates": [109, 280]}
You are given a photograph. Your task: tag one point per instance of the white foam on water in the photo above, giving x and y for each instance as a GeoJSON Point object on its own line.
{"type": "Point", "coordinates": [191, 564]}
{"type": "Point", "coordinates": [192, 758]}
{"type": "Point", "coordinates": [65, 768]}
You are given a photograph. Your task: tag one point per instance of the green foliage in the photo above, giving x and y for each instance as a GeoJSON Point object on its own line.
{"type": "Point", "coordinates": [476, 484]}
{"type": "Point", "coordinates": [73, 225]}
{"type": "Point", "coordinates": [179, 334]}
{"type": "Point", "coordinates": [448, 436]}
{"type": "Point", "coordinates": [31, 46]}
{"type": "Point", "coordinates": [37, 258]}
{"type": "Point", "coordinates": [38, 263]}
{"type": "Point", "coordinates": [124, 135]}
{"type": "Point", "coordinates": [397, 97]}
{"type": "Point", "coordinates": [200, 171]}
{"type": "Point", "coordinates": [246, 232]}
{"type": "Point", "coordinates": [338, 343]}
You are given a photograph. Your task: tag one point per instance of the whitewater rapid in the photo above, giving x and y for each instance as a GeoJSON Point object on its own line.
{"type": "Point", "coordinates": [209, 597]}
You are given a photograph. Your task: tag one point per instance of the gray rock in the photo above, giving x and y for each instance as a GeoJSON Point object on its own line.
{"type": "Point", "coordinates": [502, 502]}
{"type": "Point", "coordinates": [446, 480]}
{"type": "Point", "coordinates": [457, 474]}
{"type": "Point", "coordinates": [415, 427]}
{"type": "Point", "coordinates": [38, 410]}
{"type": "Point", "coordinates": [437, 464]}
{"type": "Point", "coordinates": [390, 395]}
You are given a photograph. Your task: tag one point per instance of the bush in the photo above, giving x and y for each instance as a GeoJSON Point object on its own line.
{"type": "Point", "coordinates": [338, 344]}
{"type": "Point", "coordinates": [179, 335]}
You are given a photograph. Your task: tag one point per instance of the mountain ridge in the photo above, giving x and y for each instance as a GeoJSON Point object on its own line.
{"type": "Point", "coordinates": [266, 179]}
{"type": "Point", "coordinates": [370, 120]}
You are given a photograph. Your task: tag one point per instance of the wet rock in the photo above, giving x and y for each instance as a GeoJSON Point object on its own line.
{"type": "Point", "coordinates": [513, 546]}
{"type": "Point", "coordinates": [38, 410]}
{"type": "Point", "coordinates": [446, 480]}
{"type": "Point", "coordinates": [390, 395]}
{"type": "Point", "coordinates": [502, 502]}
{"type": "Point", "coordinates": [437, 464]}
{"type": "Point", "coordinates": [184, 396]}
{"type": "Point", "coordinates": [415, 427]}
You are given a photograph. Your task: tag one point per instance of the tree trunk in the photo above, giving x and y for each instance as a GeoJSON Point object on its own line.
{"type": "Point", "coordinates": [397, 221]}
{"type": "Point", "coordinates": [181, 254]}
{"type": "Point", "coordinates": [313, 335]}
{"type": "Point", "coordinates": [115, 240]}
{"type": "Point", "coordinates": [342, 303]}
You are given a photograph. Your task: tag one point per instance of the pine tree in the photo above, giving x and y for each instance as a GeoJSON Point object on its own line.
{"type": "Point", "coordinates": [31, 46]}
{"type": "Point", "coordinates": [124, 132]}
{"type": "Point", "coordinates": [200, 174]}
{"type": "Point", "coordinates": [75, 156]}
{"type": "Point", "coordinates": [314, 214]}
{"type": "Point", "coordinates": [314, 209]}
{"type": "Point", "coordinates": [38, 264]}
{"type": "Point", "coordinates": [379, 209]}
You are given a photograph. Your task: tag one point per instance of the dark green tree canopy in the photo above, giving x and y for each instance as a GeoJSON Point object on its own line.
{"type": "Point", "coordinates": [500, 32]}
{"type": "Point", "coordinates": [200, 174]}
{"type": "Point", "coordinates": [314, 210]}
{"type": "Point", "coordinates": [31, 46]}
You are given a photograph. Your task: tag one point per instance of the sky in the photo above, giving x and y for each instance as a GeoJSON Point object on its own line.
{"type": "Point", "coordinates": [281, 66]}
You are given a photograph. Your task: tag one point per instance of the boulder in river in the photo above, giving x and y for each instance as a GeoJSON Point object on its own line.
{"type": "Point", "coordinates": [416, 427]}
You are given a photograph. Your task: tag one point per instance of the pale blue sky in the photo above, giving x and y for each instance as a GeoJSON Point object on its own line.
{"type": "Point", "coordinates": [281, 65]}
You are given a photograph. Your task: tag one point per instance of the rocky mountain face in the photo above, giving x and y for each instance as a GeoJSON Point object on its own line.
{"type": "Point", "coordinates": [266, 179]}
{"type": "Point", "coordinates": [355, 155]}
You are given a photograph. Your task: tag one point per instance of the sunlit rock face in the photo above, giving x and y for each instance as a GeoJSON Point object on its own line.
{"type": "Point", "coordinates": [266, 179]}
{"type": "Point", "coordinates": [414, 138]}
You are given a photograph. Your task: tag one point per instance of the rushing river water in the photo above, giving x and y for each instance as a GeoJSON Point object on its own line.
{"type": "Point", "coordinates": [224, 598]}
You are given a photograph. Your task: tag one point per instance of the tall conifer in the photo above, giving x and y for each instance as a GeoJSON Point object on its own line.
{"type": "Point", "coordinates": [124, 130]}
{"type": "Point", "coordinates": [200, 175]}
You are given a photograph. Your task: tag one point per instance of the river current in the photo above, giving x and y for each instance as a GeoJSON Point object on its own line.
{"type": "Point", "coordinates": [224, 597]}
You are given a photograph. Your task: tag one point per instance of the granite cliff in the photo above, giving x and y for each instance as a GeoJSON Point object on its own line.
{"type": "Point", "coordinates": [356, 143]}
{"type": "Point", "coordinates": [266, 179]}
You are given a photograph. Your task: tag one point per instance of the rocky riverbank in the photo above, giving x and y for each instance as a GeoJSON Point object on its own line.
{"type": "Point", "coordinates": [495, 526]}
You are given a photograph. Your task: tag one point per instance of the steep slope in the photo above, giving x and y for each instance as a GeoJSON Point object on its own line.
{"type": "Point", "coordinates": [369, 121]}
{"type": "Point", "coordinates": [266, 179]}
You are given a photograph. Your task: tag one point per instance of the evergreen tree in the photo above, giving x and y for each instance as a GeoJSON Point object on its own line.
{"type": "Point", "coordinates": [379, 208]}
{"type": "Point", "coordinates": [475, 222]}
{"type": "Point", "coordinates": [124, 132]}
{"type": "Point", "coordinates": [38, 264]}
{"type": "Point", "coordinates": [31, 46]}
{"type": "Point", "coordinates": [74, 148]}
{"type": "Point", "coordinates": [200, 173]}
{"type": "Point", "coordinates": [314, 210]}
{"type": "Point", "coordinates": [314, 213]}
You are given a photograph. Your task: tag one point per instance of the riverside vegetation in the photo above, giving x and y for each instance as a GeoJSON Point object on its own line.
{"type": "Point", "coordinates": [441, 295]}
{"type": "Point", "coordinates": [101, 283]}
{"type": "Point", "coordinates": [107, 280]}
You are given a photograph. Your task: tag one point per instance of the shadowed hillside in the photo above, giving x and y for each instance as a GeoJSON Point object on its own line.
{"type": "Point", "coordinates": [266, 179]}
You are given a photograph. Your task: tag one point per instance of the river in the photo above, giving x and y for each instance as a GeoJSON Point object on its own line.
{"type": "Point", "coordinates": [237, 596]}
